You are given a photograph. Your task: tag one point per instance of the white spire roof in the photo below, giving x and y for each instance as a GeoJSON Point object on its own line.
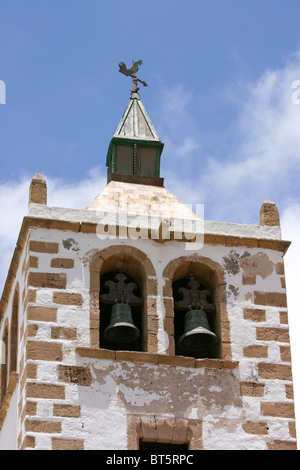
{"type": "Point", "coordinates": [135, 122]}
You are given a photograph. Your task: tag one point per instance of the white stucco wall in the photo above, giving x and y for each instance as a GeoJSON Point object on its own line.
{"type": "Point", "coordinates": [103, 412]}
{"type": "Point", "coordinates": [119, 389]}
{"type": "Point", "coordinates": [8, 433]}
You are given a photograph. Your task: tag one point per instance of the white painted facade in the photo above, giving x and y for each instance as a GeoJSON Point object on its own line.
{"type": "Point", "coordinates": [120, 388]}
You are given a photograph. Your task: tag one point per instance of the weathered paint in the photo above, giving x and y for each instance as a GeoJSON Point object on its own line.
{"type": "Point", "coordinates": [119, 389]}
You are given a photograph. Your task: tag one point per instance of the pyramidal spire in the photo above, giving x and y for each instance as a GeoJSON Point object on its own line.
{"type": "Point", "coordinates": [135, 149]}
{"type": "Point", "coordinates": [135, 122]}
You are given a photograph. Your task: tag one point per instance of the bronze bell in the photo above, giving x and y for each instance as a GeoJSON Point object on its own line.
{"type": "Point", "coordinates": [121, 328]}
{"type": "Point", "coordinates": [197, 336]}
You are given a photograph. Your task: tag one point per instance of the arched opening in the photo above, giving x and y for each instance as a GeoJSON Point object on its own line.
{"type": "Point", "coordinates": [14, 332]}
{"type": "Point", "coordinates": [4, 364]}
{"type": "Point", "coordinates": [121, 308]}
{"type": "Point", "coordinates": [194, 319]}
{"type": "Point", "coordinates": [210, 278]}
{"type": "Point", "coordinates": [126, 261]}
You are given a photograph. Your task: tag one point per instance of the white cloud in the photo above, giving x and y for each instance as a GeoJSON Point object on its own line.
{"type": "Point", "coordinates": [266, 159]}
{"type": "Point", "coordinates": [75, 195]}
{"type": "Point", "coordinates": [270, 121]}
{"type": "Point", "coordinates": [177, 125]}
{"type": "Point", "coordinates": [174, 105]}
{"type": "Point", "coordinates": [14, 206]}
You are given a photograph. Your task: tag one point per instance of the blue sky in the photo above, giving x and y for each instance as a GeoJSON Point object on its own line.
{"type": "Point", "coordinates": [202, 60]}
{"type": "Point", "coordinates": [220, 77]}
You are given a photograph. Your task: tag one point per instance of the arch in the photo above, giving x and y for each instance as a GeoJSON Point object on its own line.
{"type": "Point", "coordinates": [119, 286]}
{"type": "Point", "coordinates": [212, 276]}
{"type": "Point", "coordinates": [14, 331]}
{"type": "Point", "coordinates": [4, 363]}
{"type": "Point", "coordinates": [135, 263]}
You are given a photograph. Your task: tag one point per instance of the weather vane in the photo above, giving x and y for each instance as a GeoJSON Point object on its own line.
{"type": "Point", "coordinates": [132, 73]}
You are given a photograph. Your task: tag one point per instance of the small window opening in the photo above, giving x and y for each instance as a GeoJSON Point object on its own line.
{"type": "Point", "coordinates": [146, 161]}
{"type": "Point", "coordinates": [158, 446]}
{"type": "Point", "coordinates": [3, 365]}
{"type": "Point", "coordinates": [14, 333]}
{"type": "Point", "coordinates": [124, 160]}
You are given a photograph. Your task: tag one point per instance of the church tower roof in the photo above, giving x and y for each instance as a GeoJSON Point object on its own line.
{"type": "Point", "coordinates": [134, 183]}
{"type": "Point", "coordinates": [134, 152]}
{"type": "Point", "coordinates": [135, 122]}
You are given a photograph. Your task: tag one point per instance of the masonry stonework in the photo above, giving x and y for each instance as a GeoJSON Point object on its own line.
{"type": "Point", "coordinates": [68, 386]}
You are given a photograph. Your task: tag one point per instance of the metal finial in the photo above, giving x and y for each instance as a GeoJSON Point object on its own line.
{"type": "Point", "coordinates": [132, 73]}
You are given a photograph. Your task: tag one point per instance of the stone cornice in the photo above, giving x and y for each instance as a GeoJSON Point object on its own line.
{"type": "Point", "coordinates": [157, 359]}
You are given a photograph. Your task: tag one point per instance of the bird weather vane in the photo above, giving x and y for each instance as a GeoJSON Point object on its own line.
{"type": "Point", "coordinates": [132, 73]}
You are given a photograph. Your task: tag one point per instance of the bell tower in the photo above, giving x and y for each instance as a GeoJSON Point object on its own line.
{"type": "Point", "coordinates": [135, 149]}
{"type": "Point", "coordinates": [136, 324]}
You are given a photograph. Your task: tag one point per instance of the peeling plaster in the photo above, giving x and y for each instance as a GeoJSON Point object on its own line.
{"type": "Point", "coordinates": [173, 390]}
{"type": "Point", "coordinates": [231, 264]}
{"type": "Point", "coordinates": [70, 244]}
{"type": "Point", "coordinates": [255, 265]}
{"type": "Point", "coordinates": [233, 290]}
